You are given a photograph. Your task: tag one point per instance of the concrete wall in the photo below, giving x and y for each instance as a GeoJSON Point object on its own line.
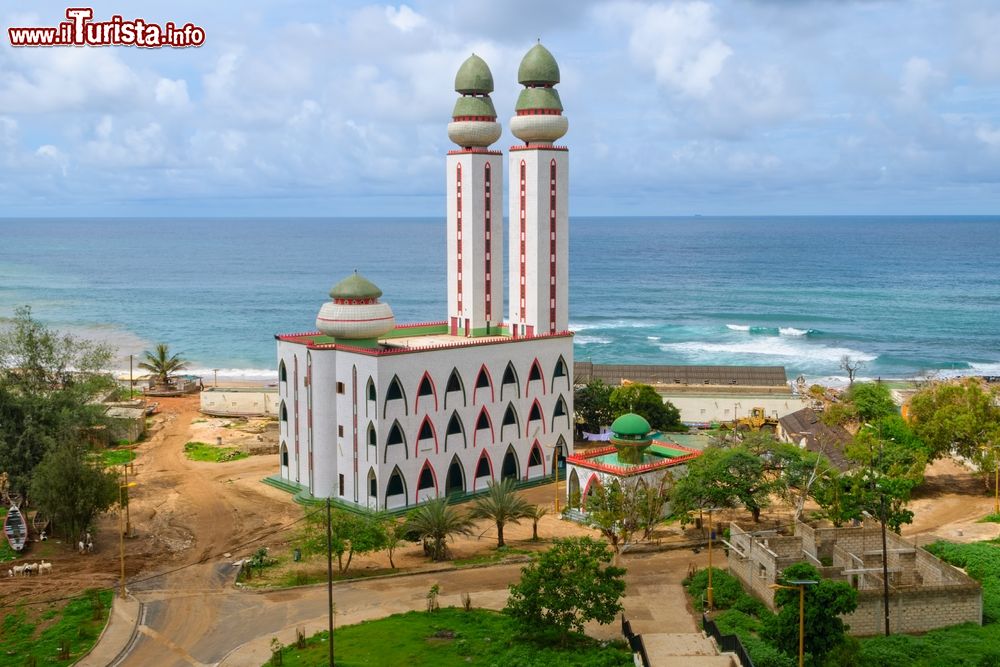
{"type": "Point", "coordinates": [925, 592]}
{"type": "Point", "coordinates": [242, 402]}
{"type": "Point", "coordinates": [709, 407]}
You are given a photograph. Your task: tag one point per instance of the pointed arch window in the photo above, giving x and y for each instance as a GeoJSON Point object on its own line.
{"type": "Point", "coordinates": [426, 479]}
{"type": "Point", "coordinates": [394, 438]}
{"type": "Point", "coordinates": [560, 410]}
{"type": "Point", "coordinates": [535, 457]}
{"type": "Point", "coordinates": [426, 432]}
{"type": "Point", "coordinates": [454, 430]}
{"type": "Point", "coordinates": [510, 419]}
{"type": "Point", "coordinates": [372, 435]}
{"type": "Point", "coordinates": [483, 380]}
{"type": "Point", "coordinates": [395, 392]}
{"type": "Point", "coordinates": [535, 375]}
{"type": "Point", "coordinates": [370, 390]}
{"type": "Point", "coordinates": [454, 388]}
{"type": "Point", "coordinates": [396, 485]}
{"type": "Point", "coordinates": [283, 413]}
{"type": "Point", "coordinates": [483, 423]}
{"type": "Point", "coordinates": [510, 381]}
{"type": "Point", "coordinates": [424, 389]}
{"type": "Point", "coordinates": [535, 415]}
{"type": "Point", "coordinates": [560, 371]}
{"type": "Point", "coordinates": [282, 372]}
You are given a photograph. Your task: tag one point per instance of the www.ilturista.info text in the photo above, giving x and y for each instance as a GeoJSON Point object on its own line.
{"type": "Point", "coordinates": [81, 30]}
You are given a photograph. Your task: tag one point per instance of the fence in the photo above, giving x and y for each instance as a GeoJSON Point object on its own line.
{"type": "Point", "coordinates": [635, 642]}
{"type": "Point", "coordinates": [727, 643]}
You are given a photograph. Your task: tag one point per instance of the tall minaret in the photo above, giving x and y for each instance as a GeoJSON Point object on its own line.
{"type": "Point", "coordinates": [539, 221]}
{"type": "Point", "coordinates": [475, 217]}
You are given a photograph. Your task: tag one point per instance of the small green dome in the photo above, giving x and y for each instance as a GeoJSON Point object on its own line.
{"type": "Point", "coordinates": [630, 424]}
{"type": "Point", "coordinates": [469, 105]}
{"type": "Point", "coordinates": [474, 77]}
{"type": "Point", "coordinates": [355, 286]}
{"type": "Point", "coordinates": [538, 68]}
{"type": "Point", "coordinates": [538, 98]}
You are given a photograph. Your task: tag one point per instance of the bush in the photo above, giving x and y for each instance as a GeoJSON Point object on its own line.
{"type": "Point", "coordinates": [765, 655]}
{"type": "Point", "coordinates": [726, 589]}
{"type": "Point", "coordinates": [981, 561]}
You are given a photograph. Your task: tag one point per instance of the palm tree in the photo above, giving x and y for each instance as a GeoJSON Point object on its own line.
{"type": "Point", "coordinates": [535, 514]}
{"type": "Point", "coordinates": [435, 520]}
{"type": "Point", "coordinates": [501, 505]}
{"type": "Point", "coordinates": [162, 364]}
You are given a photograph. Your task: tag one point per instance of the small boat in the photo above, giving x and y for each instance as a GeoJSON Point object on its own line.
{"type": "Point", "coordinates": [151, 408]}
{"type": "Point", "coordinates": [15, 528]}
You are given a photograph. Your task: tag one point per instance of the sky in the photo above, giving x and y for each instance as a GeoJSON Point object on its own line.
{"type": "Point", "coordinates": [320, 108]}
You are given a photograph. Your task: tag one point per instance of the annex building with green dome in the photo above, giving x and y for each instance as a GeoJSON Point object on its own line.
{"type": "Point", "coordinates": [636, 455]}
{"type": "Point", "coordinates": [381, 414]}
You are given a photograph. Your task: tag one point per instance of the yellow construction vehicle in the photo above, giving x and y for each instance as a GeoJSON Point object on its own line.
{"type": "Point", "coordinates": [757, 420]}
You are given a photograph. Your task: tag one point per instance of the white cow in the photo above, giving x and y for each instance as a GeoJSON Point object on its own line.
{"type": "Point", "coordinates": [19, 570]}
{"type": "Point", "coordinates": [44, 568]}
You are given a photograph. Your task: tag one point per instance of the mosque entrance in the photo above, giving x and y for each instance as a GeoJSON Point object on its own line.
{"type": "Point", "coordinates": [455, 482]}
{"type": "Point", "coordinates": [509, 468]}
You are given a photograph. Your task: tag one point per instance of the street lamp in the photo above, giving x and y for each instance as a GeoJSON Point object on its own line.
{"type": "Point", "coordinates": [121, 533]}
{"type": "Point", "coordinates": [711, 538]}
{"type": "Point", "coordinates": [799, 584]}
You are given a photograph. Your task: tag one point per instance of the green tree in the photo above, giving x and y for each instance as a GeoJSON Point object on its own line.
{"type": "Point", "coordinates": [535, 514]}
{"type": "Point", "coordinates": [643, 400]}
{"type": "Point", "coordinates": [48, 383]}
{"type": "Point", "coordinates": [501, 504]}
{"type": "Point", "coordinates": [436, 521]}
{"type": "Point", "coordinates": [888, 471]}
{"type": "Point", "coordinates": [71, 488]}
{"type": "Point", "coordinates": [724, 477]}
{"type": "Point", "coordinates": [592, 404]}
{"type": "Point", "coordinates": [350, 534]}
{"type": "Point", "coordinates": [611, 510]}
{"type": "Point", "coordinates": [824, 603]}
{"type": "Point", "coordinates": [394, 532]}
{"type": "Point", "coordinates": [570, 584]}
{"type": "Point", "coordinates": [872, 401]}
{"type": "Point", "coordinates": [162, 364]}
{"type": "Point", "coordinates": [961, 416]}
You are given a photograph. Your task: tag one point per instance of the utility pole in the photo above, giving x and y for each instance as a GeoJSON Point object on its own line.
{"type": "Point", "coordinates": [329, 574]}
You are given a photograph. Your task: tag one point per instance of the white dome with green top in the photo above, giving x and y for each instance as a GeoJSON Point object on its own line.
{"type": "Point", "coordinates": [474, 120]}
{"type": "Point", "coordinates": [538, 113]}
{"type": "Point", "coordinates": [355, 312]}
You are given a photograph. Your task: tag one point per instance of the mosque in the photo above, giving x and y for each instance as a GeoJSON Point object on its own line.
{"type": "Point", "coordinates": [386, 415]}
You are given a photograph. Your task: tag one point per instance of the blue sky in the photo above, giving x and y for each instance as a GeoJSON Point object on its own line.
{"type": "Point", "coordinates": [340, 109]}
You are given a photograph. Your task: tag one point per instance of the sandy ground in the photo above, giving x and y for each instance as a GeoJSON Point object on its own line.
{"type": "Point", "coordinates": [191, 520]}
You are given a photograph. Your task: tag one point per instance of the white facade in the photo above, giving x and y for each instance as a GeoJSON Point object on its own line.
{"type": "Point", "coordinates": [389, 430]}
{"type": "Point", "coordinates": [539, 239]}
{"type": "Point", "coordinates": [475, 242]}
{"type": "Point", "coordinates": [705, 408]}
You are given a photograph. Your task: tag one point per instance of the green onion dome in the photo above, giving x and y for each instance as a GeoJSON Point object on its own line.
{"type": "Point", "coordinates": [468, 105]}
{"type": "Point", "coordinates": [538, 98]}
{"type": "Point", "coordinates": [355, 286]}
{"type": "Point", "coordinates": [630, 426]}
{"type": "Point", "coordinates": [474, 77]}
{"type": "Point", "coordinates": [538, 68]}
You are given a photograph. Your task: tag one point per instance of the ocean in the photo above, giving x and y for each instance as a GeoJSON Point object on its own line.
{"type": "Point", "coordinates": [907, 295]}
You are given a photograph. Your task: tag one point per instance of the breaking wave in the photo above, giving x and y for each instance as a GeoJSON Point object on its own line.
{"type": "Point", "coordinates": [778, 348]}
{"type": "Point", "coordinates": [771, 331]}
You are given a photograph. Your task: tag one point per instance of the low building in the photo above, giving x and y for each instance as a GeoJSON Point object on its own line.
{"type": "Point", "coordinates": [805, 429]}
{"type": "Point", "coordinates": [704, 394]}
{"type": "Point", "coordinates": [240, 401]}
{"type": "Point", "coordinates": [924, 592]}
{"type": "Point", "coordinates": [127, 420]}
{"type": "Point", "coordinates": [634, 456]}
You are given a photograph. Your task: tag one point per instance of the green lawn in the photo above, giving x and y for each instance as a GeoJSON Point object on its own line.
{"type": "Point", "coordinates": [117, 457]}
{"type": "Point", "coordinates": [494, 556]}
{"type": "Point", "coordinates": [37, 631]}
{"type": "Point", "coordinates": [202, 451]}
{"type": "Point", "coordinates": [450, 637]}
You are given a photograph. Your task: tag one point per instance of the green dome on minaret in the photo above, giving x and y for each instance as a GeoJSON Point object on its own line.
{"type": "Point", "coordinates": [538, 68]}
{"type": "Point", "coordinates": [474, 77]}
{"type": "Point", "coordinates": [355, 286]}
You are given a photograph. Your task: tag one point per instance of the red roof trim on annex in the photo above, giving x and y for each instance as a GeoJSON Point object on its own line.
{"type": "Point", "coordinates": [583, 460]}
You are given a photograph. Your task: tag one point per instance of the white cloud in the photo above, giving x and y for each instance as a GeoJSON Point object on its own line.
{"type": "Point", "coordinates": [404, 18]}
{"type": "Point", "coordinates": [919, 80]}
{"type": "Point", "coordinates": [172, 93]}
{"type": "Point", "coordinates": [681, 43]}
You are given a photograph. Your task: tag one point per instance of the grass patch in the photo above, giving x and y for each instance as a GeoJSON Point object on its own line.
{"type": "Point", "coordinates": [283, 573]}
{"type": "Point", "coordinates": [494, 556]}
{"type": "Point", "coordinates": [990, 518]}
{"type": "Point", "coordinates": [117, 457]}
{"type": "Point", "coordinates": [451, 637]}
{"type": "Point", "coordinates": [202, 451]}
{"type": "Point", "coordinates": [38, 632]}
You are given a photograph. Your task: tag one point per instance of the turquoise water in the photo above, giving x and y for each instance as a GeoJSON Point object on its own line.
{"type": "Point", "coordinates": [907, 295]}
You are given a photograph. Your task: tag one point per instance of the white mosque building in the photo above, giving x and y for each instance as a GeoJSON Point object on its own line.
{"type": "Point", "coordinates": [386, 415]}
